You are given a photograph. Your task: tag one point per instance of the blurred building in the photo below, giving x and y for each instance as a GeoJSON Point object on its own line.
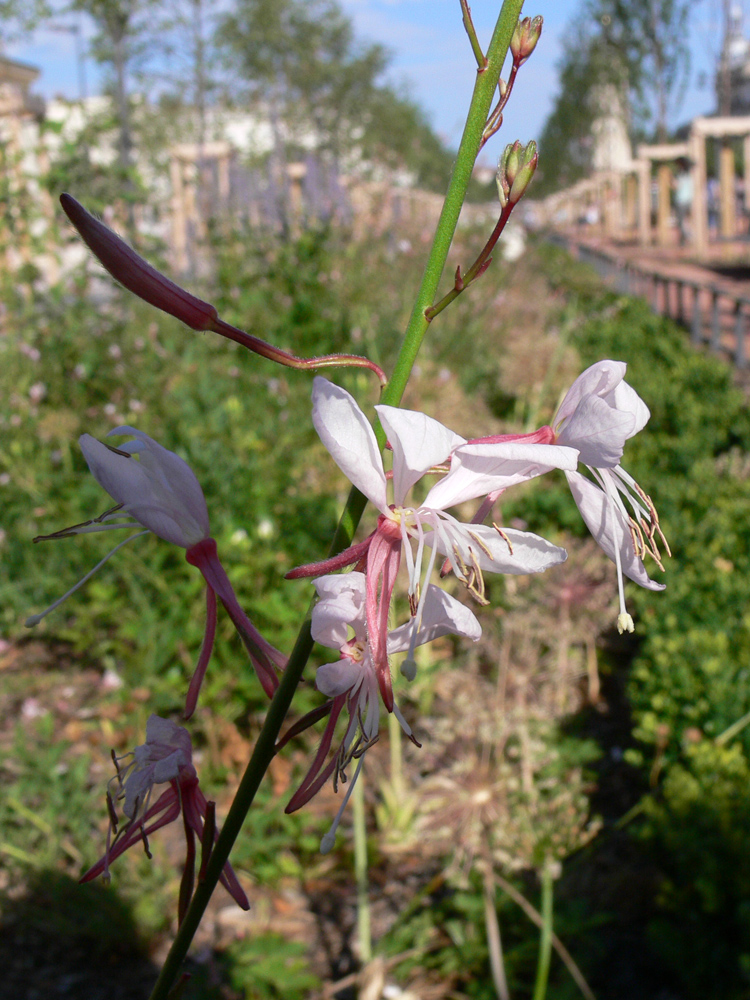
{"type": "Point", "coordinates": [733, 74]}
{"type": "Point", "coordinates": [15, 80]}
{"type": "Point", "coordinates": [609, 130]}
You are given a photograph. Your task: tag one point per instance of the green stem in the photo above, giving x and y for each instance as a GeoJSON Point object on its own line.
{"type": "Point", "coordinates": [545, 941]}
{"type": "Point", "coordinates": [484, 90]}
{"type": "Point", "coordinates": [360, 870]}
{"type": "Point", "coordinates": [494, 941]}
{"type": "Point", "coordinates": [264, 749]}
{"type": "Point", "coordinates": [477, 268]}
{"type": "Point", "coordinates": [733, 730]}
{"type": "Point", "coordinates": [471, 32]}
{"type": "Point", "coordinates": [397, 770]}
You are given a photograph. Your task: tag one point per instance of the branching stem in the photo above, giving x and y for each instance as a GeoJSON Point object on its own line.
{"type": "Point", "coordinates": [476, 270]}
{"type": "Point", "coordinates": [471, 32]}
{"type": "Point", "coordinates": [495, 119]}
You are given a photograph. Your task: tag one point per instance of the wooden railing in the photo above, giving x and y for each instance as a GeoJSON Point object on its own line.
{"type": "Point", "coordinates": [716, 315]}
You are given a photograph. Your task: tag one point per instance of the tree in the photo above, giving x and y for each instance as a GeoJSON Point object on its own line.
{"type": "Point", "coordinates": [301, 59]}
{"type": "Point", "coordinates": [632, 53]}
{"type": "Point", "coordinates": [588, 69]}
{"type": "Point", "coordinates": [120, 41]}
{"type": "Point", "coordinates": [19, 17]}
{"type": "Point", "coordinates": [651, 36]}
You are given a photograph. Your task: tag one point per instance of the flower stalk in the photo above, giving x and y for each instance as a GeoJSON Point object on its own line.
{"type": "Point", "coordinates": [476, 48]}
{"type": "Point", "coordinates": [143, 280]}
{"type": "Point", "coordinates": [476, 270]}
{"type": "Point", "coordinates": [468, 150]}
{"type": "Point", "coordinates": [265, 746]}
{"type": "Point", "coordinates": [364, 932]}
{"type": "Point", "coordinates": [545, 939]}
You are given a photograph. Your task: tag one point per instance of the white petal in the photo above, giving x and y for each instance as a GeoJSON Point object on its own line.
{"type": "Point", "coordinates": [442, 615]}
{"type": "Point", "coordinates": [175, 512]}
{"type": "Point", "coordinates": [348, 436]}
{"type": "Point", "coordinates": [160, 730]}
{"type": "Point", "coordinates": [334, 584]}
{"type": "Point", "coordinates": [598, 380]}
{"type": "Point", "coordinates": [168, 768]}
{"type": "Point", "coordinates": [342, 604]}
{"type": "Point", "coordinates": [123, 478]}
{"type": "Point", "coordinates": [137, 785]}
{"type": "Point", "coordinates": [333, 679]}
{"type": "Point", "coordinates": [598, 431]}
{"type": "Point", "coordinates": [418, 443]}
{"type": "Point", "coordinates": [482, 544]}
{"type": "Point", "coordinates": [609, 527]}
{"type": "Point", "coordinates": [625, 398]}
{"type": "Point", "coordinates": [173, 472]}
{"type": "Point", "coordinates": [479, 469]}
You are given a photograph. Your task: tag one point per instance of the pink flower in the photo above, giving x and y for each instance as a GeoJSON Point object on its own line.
{"type": "Point", "coordinates": [419, 444]}
{"type": "Point", "coordinates": [599, 413]}
{"type": "Point", "coordinates": [160, 492]}
{"type": "Point", "coordinates": [165, 757]}
{"type": "Point", "coordinates": [352, 682]}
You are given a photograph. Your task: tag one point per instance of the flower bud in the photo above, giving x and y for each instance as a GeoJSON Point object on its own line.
{"type": "Point", "coordinates": [525, 172]}
{"type": "Point", "coordinates": [525, 36]}
{"type": "Point", "coordinates": [507, 169]}
{"type": "Point", "coordinates": [136, 274]}
{"type": "Point", "coordinates": [515, 170]}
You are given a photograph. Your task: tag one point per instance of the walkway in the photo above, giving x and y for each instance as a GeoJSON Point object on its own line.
{"type": "Point", "coordinates": [711, 299]}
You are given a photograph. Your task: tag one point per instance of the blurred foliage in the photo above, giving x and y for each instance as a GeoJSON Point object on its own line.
{"type": "Point", "coordinates": [699, 826]}
{"type": "Point", "coordinates": [270, 967]}
{"type": "Point", "coordinates": [83, 356]}
{"type": "Point", "coordinates": [689, 676]}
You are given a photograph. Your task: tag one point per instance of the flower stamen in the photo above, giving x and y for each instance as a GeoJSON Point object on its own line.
{"type": "Point", "coordinates": [504, 537]}
{"type": "Point", "coordinates": [35, 619]}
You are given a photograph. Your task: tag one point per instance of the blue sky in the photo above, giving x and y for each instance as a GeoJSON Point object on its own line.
{"type": "Point", "coordinates": [432, 58]}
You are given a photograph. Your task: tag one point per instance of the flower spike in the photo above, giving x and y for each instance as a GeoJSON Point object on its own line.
{"type": "Point", "coordinates": [143, 280]}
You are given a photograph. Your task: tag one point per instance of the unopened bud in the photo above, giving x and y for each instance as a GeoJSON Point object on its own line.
{"type": "Point", "coordinates": [502, 86]}
{"type": "Point", "coordinates": [136, 274]}
{"type": "Point", "coordinates": [515, 170]}
{"type": "Point", "coordinates": [507, 168]}
{"type": "Point", "coordinates": [525, 172]}
{"type": "Point", "coordinates": [525, 36]}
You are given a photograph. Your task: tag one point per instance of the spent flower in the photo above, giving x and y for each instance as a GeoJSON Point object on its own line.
{"type": "Point", "coordinates": [165, 758]}
{"type": "Point", "coordinates": [159, 492]}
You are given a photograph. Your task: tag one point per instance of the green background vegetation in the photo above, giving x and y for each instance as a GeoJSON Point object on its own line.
{"type": "Point", "coordinates": [653, 745]}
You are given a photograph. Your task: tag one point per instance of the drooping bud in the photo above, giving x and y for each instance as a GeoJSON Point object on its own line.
{"type": "Point", "coordinates": [136, 274]}
{"type": "Point", "coordinates": [139, 277]}
{"type": "Point", "coordinates": [525, 36]}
